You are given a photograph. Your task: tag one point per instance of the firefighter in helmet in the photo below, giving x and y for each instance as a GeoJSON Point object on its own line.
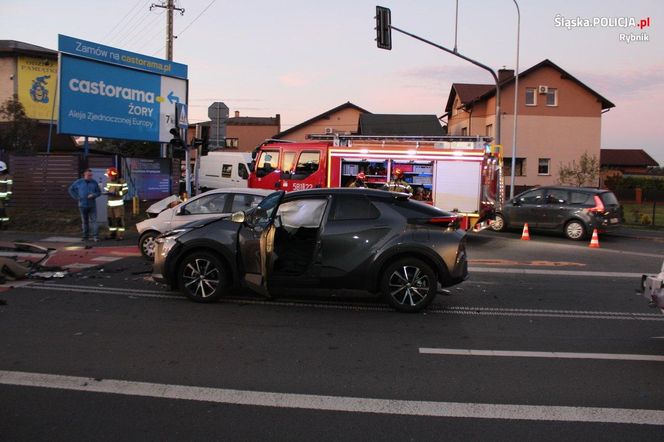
{"type": "Point", "coordinates": [116, 189]}
{"type": "Point", "coordinates": [359, 180]}
{"type": "Point", "coordinates": [5, 193]}
{"type": "Point", "coordinates": [398, 184]}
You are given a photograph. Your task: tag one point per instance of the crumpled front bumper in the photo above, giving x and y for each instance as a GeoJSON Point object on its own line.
{"type": "Point", "coordinates": [652, 288]}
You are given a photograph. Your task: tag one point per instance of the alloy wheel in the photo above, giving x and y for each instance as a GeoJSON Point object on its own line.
{"type": "Point", "coordinates": [574, 230]}
{"type": "Point", "coordinates": [409, 285]}
{"type": "Point", "coordinates": [201, 278]}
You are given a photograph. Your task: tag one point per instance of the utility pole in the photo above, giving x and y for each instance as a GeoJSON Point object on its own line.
{"type": "Point", "coordinates": [169, 6]}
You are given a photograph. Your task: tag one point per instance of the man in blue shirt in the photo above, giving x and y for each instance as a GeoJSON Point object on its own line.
{"type": "Point", "coordinates": [86, 190]}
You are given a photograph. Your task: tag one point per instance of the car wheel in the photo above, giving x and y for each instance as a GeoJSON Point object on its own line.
{"type": "Point", "coordinates": [575, 230]}
{"type": "Point", "coordinates": [202, 277]}
{"type": "Point", "coordinates": [498, 223]}
{"type": "Point", "coordinates": [409, 285]}
{"type": "Point", "coordinates": [147, 244]}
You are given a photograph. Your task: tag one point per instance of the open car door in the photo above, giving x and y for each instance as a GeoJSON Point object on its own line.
{"type": "Point", "coordinates": [256, 242]}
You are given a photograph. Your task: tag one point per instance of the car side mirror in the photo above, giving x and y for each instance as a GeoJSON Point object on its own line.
{"type": "Point", "coordinates": [277, 221]}
{"type": "Point", "coordinates": [238, 217]}
{"type": "Point", "coordinates": [516, 202]}
{"type": "Point", "coordinates": [182, 210]}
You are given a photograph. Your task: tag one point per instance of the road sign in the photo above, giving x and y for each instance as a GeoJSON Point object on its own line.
{"type": "Point", "coordinates": [108, 92]}
{"type": "Point", "coordinates": [182, 115]}
{"type": "Point", "coordinates": [218, 113]}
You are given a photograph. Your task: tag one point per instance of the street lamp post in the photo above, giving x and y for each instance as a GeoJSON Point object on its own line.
{"type": "Point", "coordinates": [516, 99]}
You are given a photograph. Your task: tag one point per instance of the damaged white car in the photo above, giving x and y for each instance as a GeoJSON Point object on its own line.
{"type": "Point", "coordinates": [652, 288]}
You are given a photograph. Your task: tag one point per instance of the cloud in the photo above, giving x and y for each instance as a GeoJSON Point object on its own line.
{"type": "Point", "coordinates": [292, 79]}
{"type": "Point", "coordinates": [625, 83]}
{"type": "Point", "coordinates": [426, 76]}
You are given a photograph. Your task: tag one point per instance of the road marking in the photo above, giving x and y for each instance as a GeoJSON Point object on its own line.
{"type": "Point", "coordinates": [358, 306]}
{"type": "Point", "coordinates": [335, 403]}
{"type": "Point", "coordinates": [106, 258]}
{"type": "Point", "coordinates": [582, 273]}
{"type": "Point", "coordinates": [540, 354]}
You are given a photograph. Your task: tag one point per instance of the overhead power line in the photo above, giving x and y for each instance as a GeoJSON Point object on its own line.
{"type": "Point", "coordinates": [122, 20]}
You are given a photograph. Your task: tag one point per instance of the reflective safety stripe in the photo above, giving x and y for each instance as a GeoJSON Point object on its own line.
{"type": "Point", "coordinates": [112, 229]}
{"type": "Point", "coordinates": [4, 219]}
{"type": "Point", "coordinates": [6, 181]}
{"type": "Point", "coordinates": [121, 229]}
{"type": "Point", "coordinates": [115, 203]}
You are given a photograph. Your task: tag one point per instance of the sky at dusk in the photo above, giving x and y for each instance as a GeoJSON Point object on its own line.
{"type": "Point", "coordinates": [299, 58]}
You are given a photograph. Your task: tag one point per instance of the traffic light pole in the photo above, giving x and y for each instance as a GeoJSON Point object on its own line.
{"type": "Point", "coordinates": [468, 59]}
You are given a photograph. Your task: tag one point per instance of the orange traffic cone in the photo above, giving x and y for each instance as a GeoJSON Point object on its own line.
{"type": "Point", "coordinates": [526, 233]}
{"type": "Point", "coordinates": [594, 242]}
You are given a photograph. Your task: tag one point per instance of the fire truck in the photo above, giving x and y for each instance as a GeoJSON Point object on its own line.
{"type": "Point", "coordinates": [457, 174]}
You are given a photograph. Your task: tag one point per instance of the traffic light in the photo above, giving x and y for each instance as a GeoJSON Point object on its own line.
{"type": "Point", "coordinates": [203, 143]}
{"type": "Point", "coordinates": [383, 29]}
{"type": "Point", "coordinates": [176, 141]}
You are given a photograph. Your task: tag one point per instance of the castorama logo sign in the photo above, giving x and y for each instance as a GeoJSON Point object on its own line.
{"type": "Point", "coordinates": [107, 99]}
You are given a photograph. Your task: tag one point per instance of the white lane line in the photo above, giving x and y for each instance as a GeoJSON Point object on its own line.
{"type": "Point", "coordinates": [540, 354]}
{"type": "Point", "coordinates": [336, 403]}
{"type": "Point", "coordinates": [354, 306]}
{"type": "Point", "coordinates": [582, 273]}
{"type": "Point", "coordinates": [106, 258]}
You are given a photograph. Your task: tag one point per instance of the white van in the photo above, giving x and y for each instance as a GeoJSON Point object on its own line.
{"type": "Point", "coordinates": [220, 170]}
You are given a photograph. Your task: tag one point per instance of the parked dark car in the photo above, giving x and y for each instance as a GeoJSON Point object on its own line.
{"type": "Point", "coordinates": [574, 211]}
{"type": "Point", "coordinates": [321, 238]}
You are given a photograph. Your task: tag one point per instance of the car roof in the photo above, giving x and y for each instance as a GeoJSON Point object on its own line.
{"type": "Point", "coordinates": [371, 193]}
{"type": "Point", "coordinates": [582, 189]}
{"type": "Point", "coordinates": [245, 190]}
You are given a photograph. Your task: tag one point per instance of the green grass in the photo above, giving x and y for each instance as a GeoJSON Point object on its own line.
{"type": "Point", "coordinates": [642, 214]}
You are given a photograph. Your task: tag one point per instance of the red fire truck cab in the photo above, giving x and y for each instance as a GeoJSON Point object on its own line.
{"type": "Point", "coordinates": [460, 174]}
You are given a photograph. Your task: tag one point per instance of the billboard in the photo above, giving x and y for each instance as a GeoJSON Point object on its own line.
{"type": "Point", "coordinates": [150, 178]}
{"type": "Point", "coordinates": [37, 79]}
{"type": "Point", "coordinates": [110, 93]}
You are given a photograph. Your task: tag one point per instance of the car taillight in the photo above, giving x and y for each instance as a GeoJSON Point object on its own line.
{"type": "Point", "coordinates": [599, 206]}
{"type": "Point", "coordinates": [442, 221]}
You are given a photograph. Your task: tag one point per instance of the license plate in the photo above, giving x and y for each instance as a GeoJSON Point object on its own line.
{"type": "Point", "coordinates": [614, 220]}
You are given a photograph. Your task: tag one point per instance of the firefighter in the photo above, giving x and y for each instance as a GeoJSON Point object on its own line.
{"type": "Point", "coordinates": [398, 184]}
{"type": "Point", "coordinates": [5, 193]}
{"type": "Point", "coordinates": [116, 188]}
{"type": "Point", "coordinates": [359, 180]}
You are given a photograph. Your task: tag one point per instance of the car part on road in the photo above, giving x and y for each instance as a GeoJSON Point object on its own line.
{"type": "Point", "coordinates": [652, 288]}
{"type": "Point", "coordinates": [409, 285]}
{"type": "Point", "coordinates": [202, 277]}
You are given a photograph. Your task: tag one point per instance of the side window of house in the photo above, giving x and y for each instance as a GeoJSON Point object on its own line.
{"type": "Point", "coordinates": [552, 97]}
{"type": "Point", "coordinates": [543, 166]}
{"type": "Point", "coordinates": [347, 207]}
{"type": "Point", "coordinates": [226, 170]}
{"type": "Point", "coordinates": [531, 96]}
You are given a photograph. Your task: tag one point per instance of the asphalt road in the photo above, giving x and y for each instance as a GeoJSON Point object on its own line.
{"type": "Point", "coordinates": [564, 350]}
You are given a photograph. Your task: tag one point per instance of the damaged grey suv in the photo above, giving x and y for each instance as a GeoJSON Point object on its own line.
{"type": "Point", "coordinates": [360, 239]}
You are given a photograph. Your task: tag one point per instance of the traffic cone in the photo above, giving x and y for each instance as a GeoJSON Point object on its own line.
{"type": "Point", "coordinates": [525, 236]}
{"type": "Point", "coordinates": [594, 242]}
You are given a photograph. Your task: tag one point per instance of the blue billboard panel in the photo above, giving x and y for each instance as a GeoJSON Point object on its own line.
{"type": "Point", "coordinates": [108, 101]}
{"type": "Point", "coordinates": [104, 100]}
{"type": "Point", "coordinates": [108, 54]}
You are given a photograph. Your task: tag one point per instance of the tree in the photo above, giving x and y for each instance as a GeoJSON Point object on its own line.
{"type": "Point", "coordinates": [583, 173]}
{"type": "Point", "coordinates": [17, 131]}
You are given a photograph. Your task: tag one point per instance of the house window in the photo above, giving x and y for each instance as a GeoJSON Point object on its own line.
{"type": "Point", "coordinates": [464, 131]}
{"type": "Point", "coordinates": [232, 143]}
{"type": "Point", "coordinates": [544, 166]}
{"type": "Point", "coordinates": [552, 97]}
{"type": "Point", "coordinates": [520, 169]}
{"type": "Point", "coordinates": [531, 96]}
{"type": "Point", "coordinates": [489, 130]}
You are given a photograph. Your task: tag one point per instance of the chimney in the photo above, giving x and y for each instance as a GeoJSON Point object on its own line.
{"type": "Point", "coordinates": [505, 74]}
{"type": "Point", "coordinates": [237, 114]}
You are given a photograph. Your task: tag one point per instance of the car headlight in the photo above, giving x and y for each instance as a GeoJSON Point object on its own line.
{"type": "Point", "coordinates": [168, 240]}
